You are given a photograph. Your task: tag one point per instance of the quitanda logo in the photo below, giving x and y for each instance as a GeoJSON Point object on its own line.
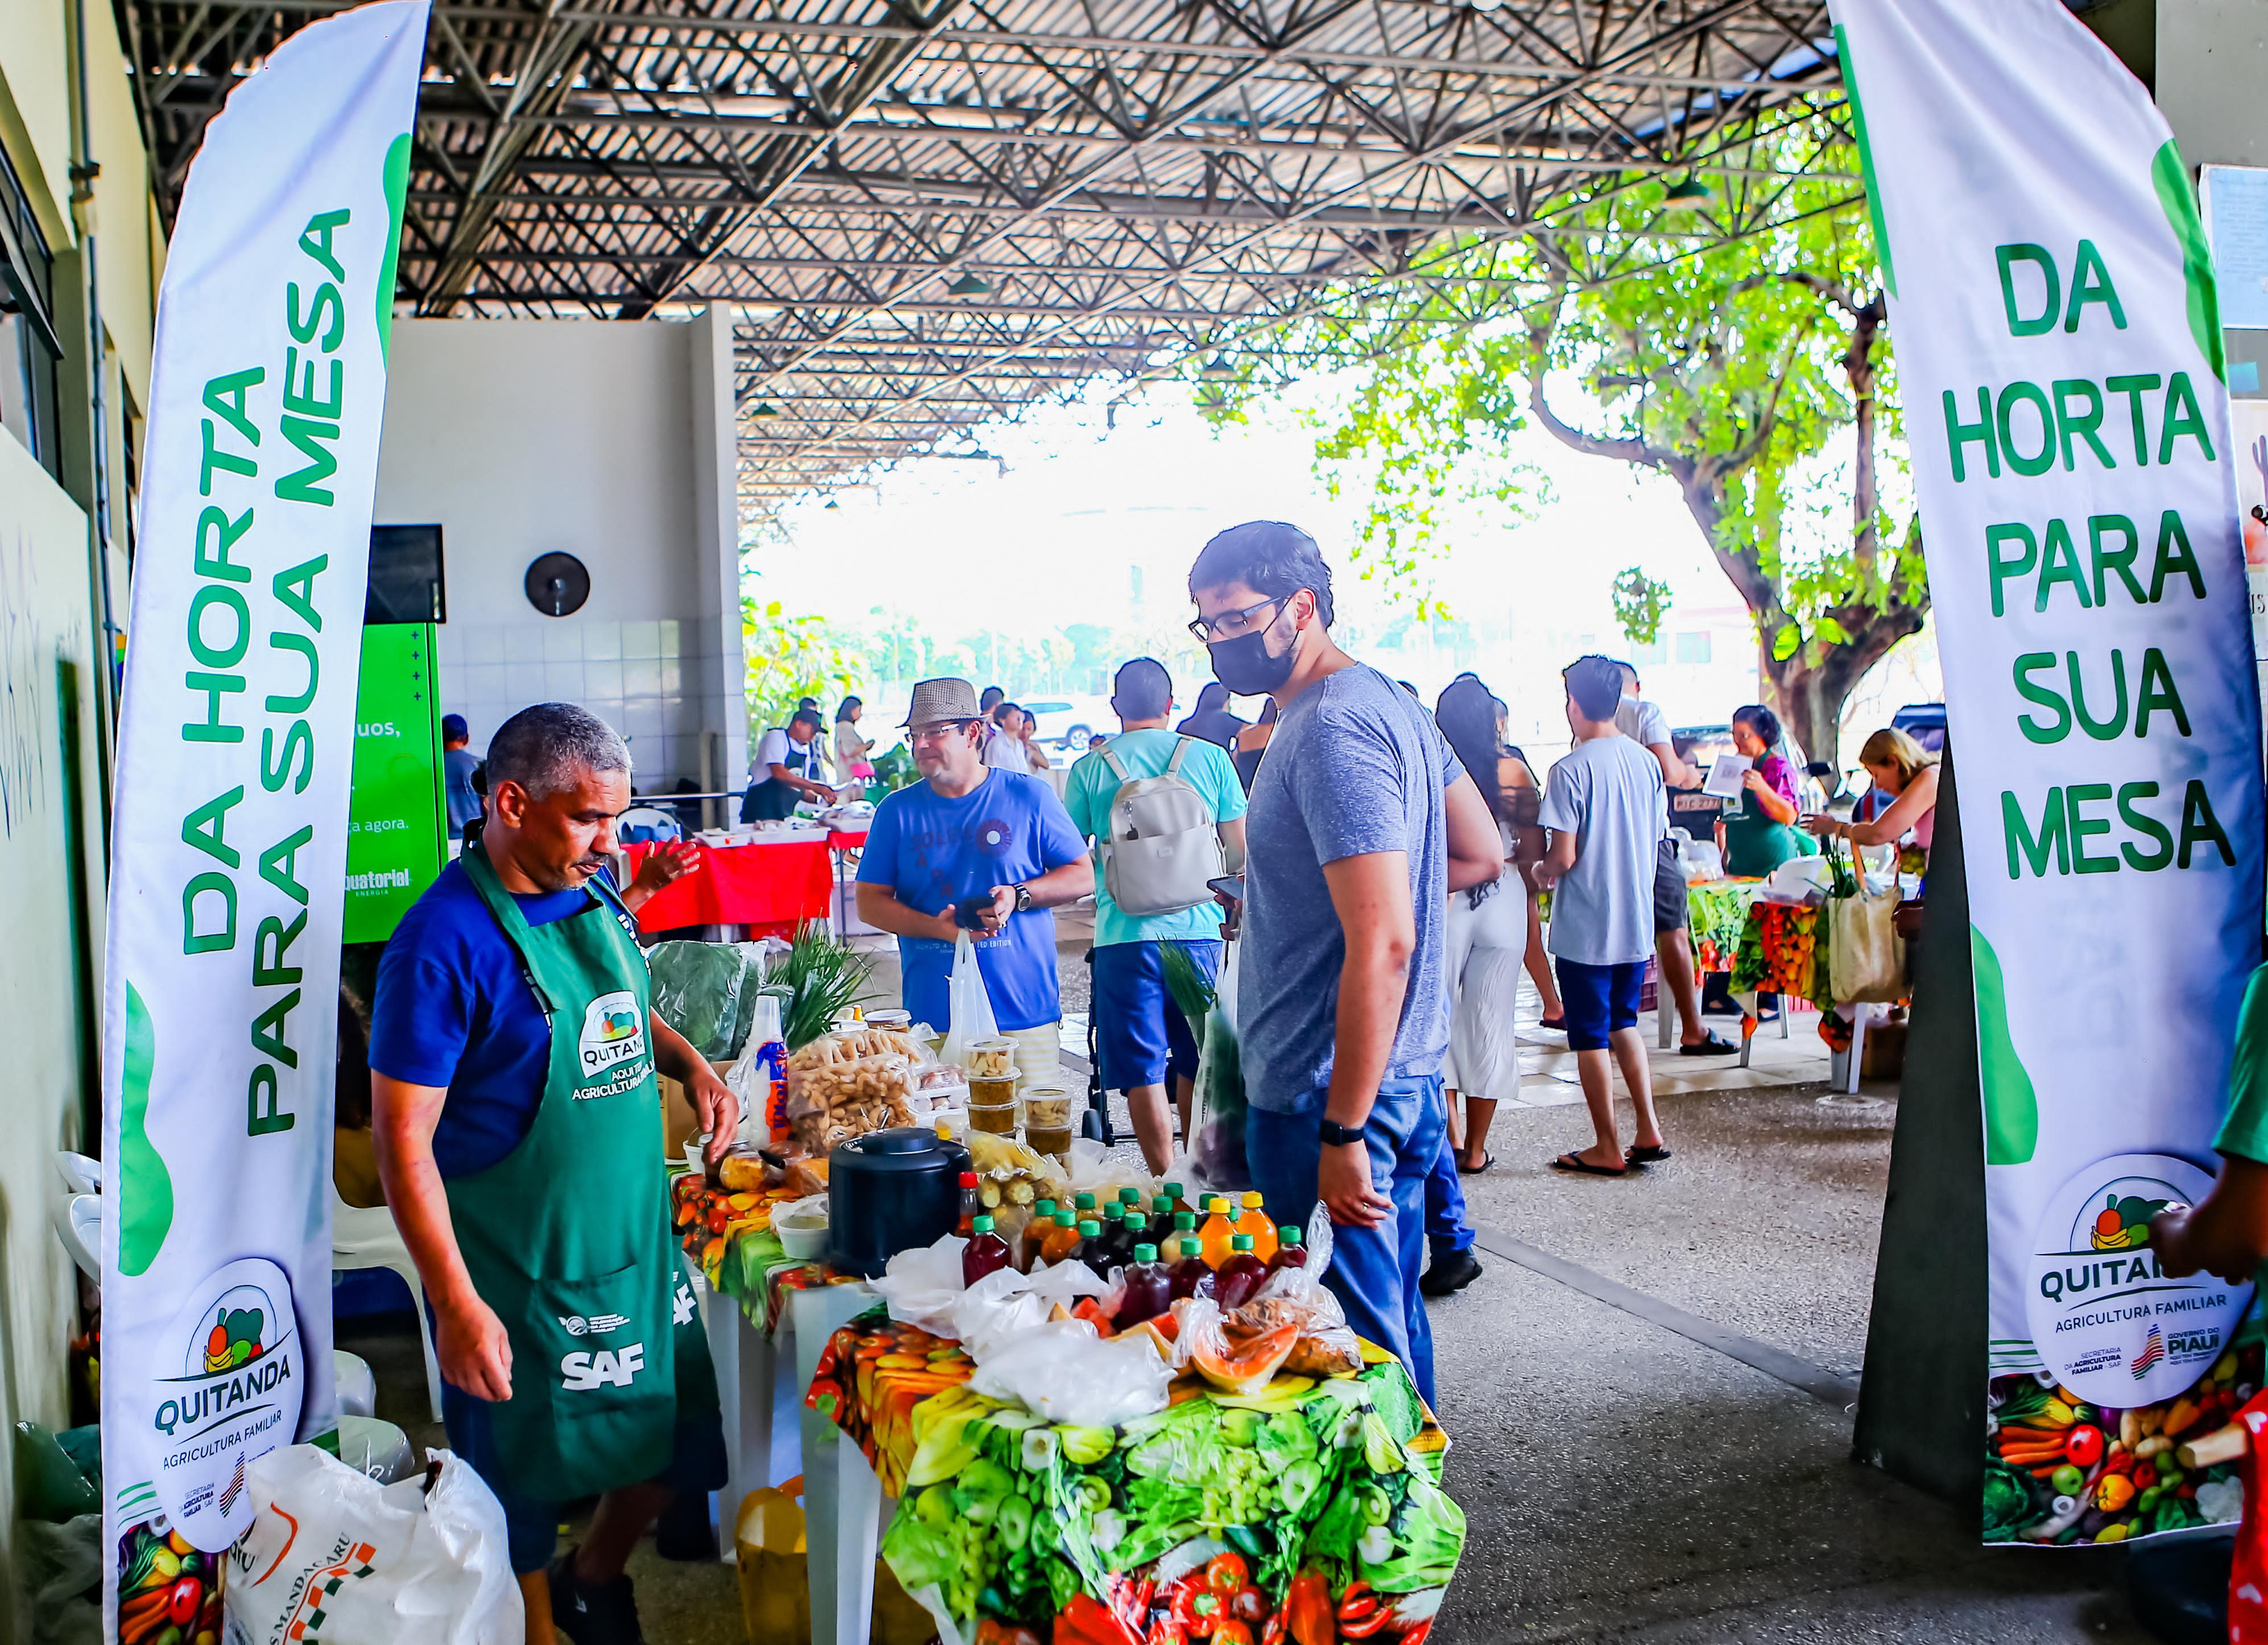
{"type": "Point", "coordinates": [234, 1359]}
{"type": "Point", "coordinates": [2106, 1320]}
{"type": "Point", "coordinates": [218, 1389]}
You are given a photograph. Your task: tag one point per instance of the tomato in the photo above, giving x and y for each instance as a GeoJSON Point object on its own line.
{"type": "Point", "coordinates": [1231, 1633]}
{"type": "Point", "coordinates": [1225, 1573]}
{"type": "Point", "coordinates": [2084, 1445]}
{"type": "Point", "coordinates": [181, 1603]}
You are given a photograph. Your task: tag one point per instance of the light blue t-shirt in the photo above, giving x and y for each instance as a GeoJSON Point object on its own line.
{"type": "Point", "coordinates": [1087, 795]}
{"type": "Point", "coordinates": [1607, 793]}
{"type": "Point", "coordinates": [1356, 765]}
{"type": "Point", "coordinates": [931, 852]}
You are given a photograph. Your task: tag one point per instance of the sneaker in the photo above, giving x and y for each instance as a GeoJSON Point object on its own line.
{"type": "Point", "coordinates": [592, 1613]}
{"type": "Point", "coordinates": [1450, 1272]}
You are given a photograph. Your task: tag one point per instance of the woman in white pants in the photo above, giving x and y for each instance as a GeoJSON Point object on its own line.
{"type": "Point", "coordinates": [1487, 935]}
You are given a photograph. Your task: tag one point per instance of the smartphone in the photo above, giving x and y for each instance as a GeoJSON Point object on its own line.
{"type": "Point", "coordinates": [1229, 885]}
{"type": "Point", "coordinates": [969, 913]}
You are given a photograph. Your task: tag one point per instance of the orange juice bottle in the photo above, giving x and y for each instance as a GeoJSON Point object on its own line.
{"type": "Point", "coordinates": [1214, 1238]}
{"type": "Point", "coordinates": [1062, 1244]}
{"type": "Point", "coordinates": [1254, 1222]}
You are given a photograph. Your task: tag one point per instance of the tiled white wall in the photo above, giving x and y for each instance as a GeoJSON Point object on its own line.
{"type": "Point", "coordinates": [640, 677]}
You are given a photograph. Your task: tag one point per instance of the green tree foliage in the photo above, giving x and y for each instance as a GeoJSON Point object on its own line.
{"type": "Point", "coordinates": [1640, 603]}
{"type": "Point", "coordinates": [1738, 345]}
{"type": "Point", "coordinates": [791, 658]}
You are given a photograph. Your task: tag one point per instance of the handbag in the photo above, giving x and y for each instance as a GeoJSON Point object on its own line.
{"type": "Point", "coordinates": [1866, 958]}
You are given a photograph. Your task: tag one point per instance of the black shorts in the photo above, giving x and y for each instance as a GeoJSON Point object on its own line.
{"type": "Point", "coordinates": [1668, 888]}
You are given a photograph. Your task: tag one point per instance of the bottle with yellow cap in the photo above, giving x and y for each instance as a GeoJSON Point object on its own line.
{"type": "Point", "coordinates": [1254, 1220]}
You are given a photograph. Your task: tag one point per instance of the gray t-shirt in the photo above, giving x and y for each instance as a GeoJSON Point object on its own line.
{"type": "Point", "coordinates": [1607, 793]}
{"type": "Point", "coordinates": [1355, 766]}
{"type": "Point", "coordinates": [1642, 722]}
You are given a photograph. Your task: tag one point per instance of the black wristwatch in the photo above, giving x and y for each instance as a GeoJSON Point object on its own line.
{"type": "Point", "coordinates": [1023, 899]}
{"type": "Point", "coordinates": [1337, 1136]}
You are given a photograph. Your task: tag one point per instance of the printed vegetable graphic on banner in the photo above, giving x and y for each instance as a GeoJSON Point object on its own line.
{"type": "Point", "coordinates": [2059, 349]}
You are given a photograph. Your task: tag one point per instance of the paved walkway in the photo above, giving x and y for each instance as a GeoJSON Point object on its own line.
{"type": "Point", "coordinates": [1649, 1389]}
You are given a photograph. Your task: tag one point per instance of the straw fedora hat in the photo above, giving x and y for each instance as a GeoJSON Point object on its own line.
{"type": "Point", "coordinates": [942, 699]}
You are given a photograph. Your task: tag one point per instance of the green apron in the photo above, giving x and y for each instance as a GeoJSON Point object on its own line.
{"type": "Point", "coordinates": [567, 1237]}
{"type": "Point", "coordinates": [1754, 845]}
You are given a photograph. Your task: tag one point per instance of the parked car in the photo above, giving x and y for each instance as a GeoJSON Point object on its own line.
{"type": "Point", "coordinates": [1064, 725]}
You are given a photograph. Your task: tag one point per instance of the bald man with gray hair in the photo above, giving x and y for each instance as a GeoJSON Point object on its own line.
{"type": "Point", "coordinates": [517, 1121]}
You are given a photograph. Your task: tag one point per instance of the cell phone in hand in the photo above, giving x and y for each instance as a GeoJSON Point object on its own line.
{"type": "Point", "coordinates": [969, 913]}
{"type": "Point", "coordinates": [1229, 885]}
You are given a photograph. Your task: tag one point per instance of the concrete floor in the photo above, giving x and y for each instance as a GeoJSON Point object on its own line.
{"type": "Point", "coordinates": [1634, 1476]}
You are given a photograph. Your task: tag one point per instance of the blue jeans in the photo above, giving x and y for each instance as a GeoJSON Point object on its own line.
{"type": "Point", "coordinates": [1447, 1231]}
{"type": "Point", "coordinates": [1374, 1271]}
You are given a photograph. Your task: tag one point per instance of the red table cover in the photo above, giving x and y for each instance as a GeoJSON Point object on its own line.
{"type": "Point", "coordinates": [771, 887]}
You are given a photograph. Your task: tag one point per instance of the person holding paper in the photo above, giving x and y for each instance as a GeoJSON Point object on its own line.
{"type": "Point", "coordinates": [1760, 834]}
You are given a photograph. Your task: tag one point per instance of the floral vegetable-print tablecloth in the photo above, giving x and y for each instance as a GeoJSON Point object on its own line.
{"type": "Point", "coordinates": [1308, 1514]}
{"type": "Point", "coordinates": [1716, 911]}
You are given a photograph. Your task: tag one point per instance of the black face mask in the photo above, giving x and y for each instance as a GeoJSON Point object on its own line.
{"type": "Point", "coordinates": [1245, 667]}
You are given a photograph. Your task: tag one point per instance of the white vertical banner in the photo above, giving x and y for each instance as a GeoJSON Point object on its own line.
{"type": "Point", "coordinates": [229, 835]}
{"type": "Point", "coordinates": [2059, 349]}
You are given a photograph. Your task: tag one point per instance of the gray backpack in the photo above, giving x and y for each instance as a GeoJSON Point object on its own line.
{"type": "Point", "coordinates": [1161, 846]}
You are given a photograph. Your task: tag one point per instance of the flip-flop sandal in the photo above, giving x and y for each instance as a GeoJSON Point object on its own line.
{"type": "Point", "coordinates": [1487, 1160]}
{"type": "Point", "coordinates": [1713, 1044]}
{"type": "Point", "coordinates": [1579, 1166]}
{"type": "Point", "coordinates": [1645, 1156]}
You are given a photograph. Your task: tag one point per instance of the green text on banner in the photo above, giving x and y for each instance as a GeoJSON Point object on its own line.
{"type": "Point", "coordinates": [229, 836]}
{"type": "Point", "coordinates": [2057, 340]}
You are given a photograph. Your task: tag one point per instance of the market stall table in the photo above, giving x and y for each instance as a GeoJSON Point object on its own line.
{"type": "Point", "coordinates": [1716, 911]}
{"type": "Point", "coordinates": [770, 885]}
{"type": "Point", "coordinates": [1310, 1510]}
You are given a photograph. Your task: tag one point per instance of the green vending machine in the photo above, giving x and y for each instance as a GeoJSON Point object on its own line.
{"type": "Point", "coordinates": [397, 822]}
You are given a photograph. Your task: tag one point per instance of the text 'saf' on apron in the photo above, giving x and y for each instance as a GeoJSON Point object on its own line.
{"type": "Point", "coordinates": [567, 1237]}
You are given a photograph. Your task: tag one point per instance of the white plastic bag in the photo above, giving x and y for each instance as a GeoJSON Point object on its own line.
{"type": "Point", "coordinates": [1002, 1306]}
{"type": "Point", "coordinates": [335, 1556]}
{"type": "Point", "coordinates": [971, 1008]}
{"type": "Point", "coordinates": [1066, 1373]}
{"type": "Point", "coordinates": [922, 1285]}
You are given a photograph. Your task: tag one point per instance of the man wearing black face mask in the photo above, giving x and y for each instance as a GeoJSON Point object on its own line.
{"type": "Point", "coordinates": [1361, 822]}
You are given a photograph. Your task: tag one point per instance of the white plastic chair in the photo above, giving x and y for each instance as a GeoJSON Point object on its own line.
{"type": "Point", "coordinates": [77, 1220]}
{"type": "Point", "coordinates": [368, 1239]}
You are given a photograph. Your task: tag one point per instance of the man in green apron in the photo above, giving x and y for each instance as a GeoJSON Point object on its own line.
{"type": "Point", "coordinates": [519, 1134]}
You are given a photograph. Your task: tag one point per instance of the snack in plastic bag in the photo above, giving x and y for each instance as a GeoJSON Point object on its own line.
{"type": "Point", "coordinates": [369, 1564]}
{"type": "Point", "coordinates": [698, 989]}
{"type": "Point", "coordinates": [1093, 1171]}
{"type": "Point", "coordinates": [1066, 1373]}
{"type": "Point", "coordinates": [1010, 1179]}
{"type": "Point", "coordinates": [1233, 1362]}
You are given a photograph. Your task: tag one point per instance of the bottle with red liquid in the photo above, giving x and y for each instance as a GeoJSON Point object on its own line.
{"type": "Point", "coordinates": [970, 1204]}
{"type": "Point", "coordinates": [1291, 1252]}
{"type": "Point", "coordinates": [1091, 1251]}
{"type": "Point", "coordinates": [986, 1251]}
{"type": "Point", "coordinates": [1149, 1288]}
{"type": "Point", "coordinates": [1235, 1280]}
{"type": "Point", "coordinates": [1191, 1275]}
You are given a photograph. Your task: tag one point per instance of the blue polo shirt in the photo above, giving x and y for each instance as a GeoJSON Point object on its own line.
{"type": "Point", "coordinates": [933, 851]}
{"type": "Point", "coordinates": [453, 1009]}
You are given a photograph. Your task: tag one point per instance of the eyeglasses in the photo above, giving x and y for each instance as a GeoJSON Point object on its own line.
{"type": "Point", "coordinates": [931, 733]}
{"type": "Point", "coordinates": [1229, 624]}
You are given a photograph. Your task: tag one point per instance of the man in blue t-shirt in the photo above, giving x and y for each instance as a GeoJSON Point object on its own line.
{"type": "Point", "coordinates": [1140, 1033]}
{"type": "Point", "coordinates": [966, 831]}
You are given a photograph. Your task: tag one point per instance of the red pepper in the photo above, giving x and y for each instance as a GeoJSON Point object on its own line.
{"type": "Point", "coordinates": [1360, 1612]}
{"type": "Point", "coordinates": [1087, 1620]}
{"type": "Point", "coordinates": [2122, 1463]}
{"type": "Point", "coordinates": [1416, 1635]}
{"type": "Point", "coordinates": [1225, 1573]}
{"type": "Point", "coordinates": [1165, 1631]}
{"type": "Point", "coordinates": [1307, 1610]}
{"type": "Point", "coordinates": [1196, 1608]}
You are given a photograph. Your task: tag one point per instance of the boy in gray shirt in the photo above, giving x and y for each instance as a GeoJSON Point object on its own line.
{"type": "Point", "coordinates": [1604, 807]}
